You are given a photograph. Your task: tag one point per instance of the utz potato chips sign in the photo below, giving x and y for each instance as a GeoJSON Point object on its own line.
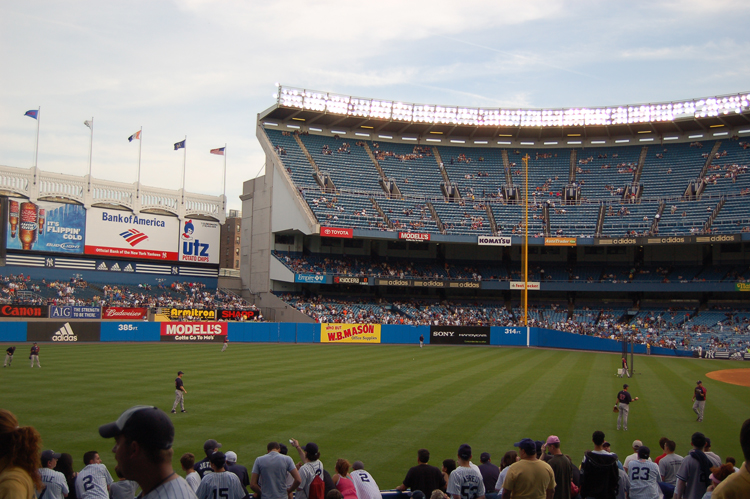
{"type": "Point", "coordinates": [46, 226]}
{"type": "Point", "coordinates": [199, 241]}
{"type": "Point", "coordinates": [349, 333]}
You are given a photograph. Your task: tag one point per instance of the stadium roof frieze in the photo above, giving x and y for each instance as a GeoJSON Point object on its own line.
{"type": "Point", "coordinates": [329, 110]}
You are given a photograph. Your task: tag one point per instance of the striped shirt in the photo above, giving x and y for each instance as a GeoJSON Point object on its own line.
{"type": "Point", "coordinates": [124, 489]}
{"type": "Point", "coordinates": [466, 482]}
{"type": "Point", "coordinates": [172, 489]}
{"type": "Point", "coordinates": [56, 485]}
{"type": "Point", "coordinates": [194, 480]}
{"type": "Point", "coordinates": [365, 484]}
{"type": "Point", "coordinates": [223, 485]}
{"type": "Point", "coordinates": [93, 481]}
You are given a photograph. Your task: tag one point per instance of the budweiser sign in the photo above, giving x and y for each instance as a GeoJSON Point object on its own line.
{"type": "Point", "coordinates": [336, 232]}
{"type": "Point", "coordinates": [124, 313]}
{"type": "Point", "coordinates": [413, 236]}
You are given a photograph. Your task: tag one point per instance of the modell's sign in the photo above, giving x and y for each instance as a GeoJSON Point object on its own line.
{"type": "Point", "coordinates": [23, 311]}
{"type": "Point", "coordinates": [414, 236]}
{"type": "Point", "coordinates": [336, 232]}
{"type": "Point", "coordinates": [124, 313]}
{"type": "Point", "coordinates": [237, 315]}
{"type": "Point", "coordinates": [493, 241]}
{"type": "Point", "coordinates": [193, 331]}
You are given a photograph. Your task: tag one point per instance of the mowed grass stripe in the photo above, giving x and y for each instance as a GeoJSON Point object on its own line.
{"type": "Point", "coordinates": [378, 403]}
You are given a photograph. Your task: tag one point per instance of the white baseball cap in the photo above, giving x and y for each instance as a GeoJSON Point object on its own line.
{"type": "Point", "coordinates": [231, 456]}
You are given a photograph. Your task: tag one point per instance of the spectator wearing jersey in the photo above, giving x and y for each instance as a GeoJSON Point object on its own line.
{"type": "Point", "coordinates": [270, 472]}
{"type": "Point", "coordinates": [693, 475]}
{"type": "Point", "coordinates": [490, 472]}
{"type": "Point", "coordinates": [465, 481]}
{"type": "Point", "coordinates": [423, 476]}
{"type": "Point", "coordinates": [644, 476]}
{"type": "Point", "coordinates": [238, 470]}
{"type": "Point", "coordinates": [530, 477]}
{"type": "Point", "coordinates": [94, 479]}
{"type": "Point", "coordinates": [123, 488]}
{"type": "Point", "coordinates": [220, 484]}
{"type": "Point", "coordinates": [311, 469]}
{"type": "Point", "coordinates": [55, 484]}
{"type": "Point", "coordinates": [204, 465]}
{"type": "Point", "coordinates": [187, 461]}
{"type": "Point", "coordinates": [143, 451]}
{"type": "Point", "coordinates": [367, 487]}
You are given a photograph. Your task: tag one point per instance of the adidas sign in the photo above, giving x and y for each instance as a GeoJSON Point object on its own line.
{"type": "Point", "coordinates": [115, 268]}
{"type": "Point", "coordinates": [129, 268]}
{"type": "Point", "coordinates": [65, 333]}
{"type": "Point", "coordinates": [102, 266]}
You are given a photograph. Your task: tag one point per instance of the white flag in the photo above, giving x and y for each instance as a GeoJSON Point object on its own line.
{"type": "Point", "coordinates": [88, 123]}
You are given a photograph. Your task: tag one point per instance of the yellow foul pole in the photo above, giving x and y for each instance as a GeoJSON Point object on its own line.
{"type": "Point", "coordinates": [526, 245]}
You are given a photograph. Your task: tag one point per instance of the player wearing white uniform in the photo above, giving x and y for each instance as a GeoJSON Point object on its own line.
{"type": "Point", "coordinates": [143, 450]}
{"type": "Point", "coordinates": [55, 484]}
{"type": "Point", "coordinates": [220, 484]}
{"type": "Point", "coordinates": [465, 481]}
{"type": "Point", "coordinates": [94, 480]}
{"type": "Point", "coordinates": [644, 476]}
{"type": "Point", "coordinates": [364, 483]}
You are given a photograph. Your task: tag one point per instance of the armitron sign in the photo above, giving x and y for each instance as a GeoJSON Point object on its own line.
{"type": "Point", "coordinates": [336, 232]}
{"type": "Point", "coordinates": [414, 236]}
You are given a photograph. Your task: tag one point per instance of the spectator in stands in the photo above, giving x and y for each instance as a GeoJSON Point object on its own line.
{"type": "Point", "coordinates": [692, 477]}
{"type": "Point", "coordinates": [530, 477]}
{"type": "Point", "coordinates": [239, 470]}
{"type": "Point", "coordinates": [715, 459]}
{"type": "Point", "coordinates": [561, 466]}
{"type": "Point", "coordinates": [311, 467]}
{"type": "Point", "coordinates": [737, 485]}
{"type": "Point", "coordinates": [600, 475]}
{"type": "Point", "coordinates": [367, 487]}
{"type": "Point", "coordinates": [423, 476]}
{"type": "Point", "coordinates": [668, 467]}
{"type": "Point", "coordinates": [272, 470]}
{"type": "Point", "coordinates": [65, 466]}
{"type": "Point", "coordinates": [490, 472]}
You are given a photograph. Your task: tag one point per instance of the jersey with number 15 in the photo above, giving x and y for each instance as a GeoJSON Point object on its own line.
{"type": "Point", "coordinates": [224, 485]}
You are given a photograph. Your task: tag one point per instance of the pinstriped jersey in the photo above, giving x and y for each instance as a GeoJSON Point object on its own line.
{"type": "Point", "coordinates": [466, 482]}
{"type": "Point", "coordinates": [173, 489]}
{"type": "Point", "coordinates": [56, 487]}
{"type": "Point", "coordinates": [194, 480]}
{"type": "Point", "coordinates": [223, 485]}
{"type": "Point", "coordinates": [92, 482]}
{"type": "Point", "coordinates": [365, 485]}
{"type": "Point", "coordinates": [123, 489]}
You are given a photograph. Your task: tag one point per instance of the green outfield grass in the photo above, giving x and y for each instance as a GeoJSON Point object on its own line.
{"type": "Point", "coordinates": [378, 403]}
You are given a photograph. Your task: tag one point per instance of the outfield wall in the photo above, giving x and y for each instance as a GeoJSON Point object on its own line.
{"type": "Point", "coordinates": [272, 332]}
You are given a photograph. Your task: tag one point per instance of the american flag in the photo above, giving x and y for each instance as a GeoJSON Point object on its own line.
{"type": "Point", "coordinates": [133, 236]}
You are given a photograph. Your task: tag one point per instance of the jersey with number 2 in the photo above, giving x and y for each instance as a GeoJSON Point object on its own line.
{"type": "Point", "coordinates": [644, 480]}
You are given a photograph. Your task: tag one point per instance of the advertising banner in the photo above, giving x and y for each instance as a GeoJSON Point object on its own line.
{"type": "Point", "coordinates": [193, 331]}
{"type": "Point", "coordinates": [519, 285]}
{"type": "Point", "coordinates": [742, 286]}
{"type": "Point", "coordinates": [193, 314]}
{"type": "Point", "coordinates": [236, 315]}
{"type": "Point", "coordinates": [124, 314]}
{"type": "Point", "coordinates": [493, 241]}
{"type": "Point", "coordinates": [393, 282]}
{"type": "Point", "coordinates": [362, 281]}
{"type": "Point", "coordinates": [45, 226]}
{"type": "Point", "coordinates": [559, 241]}
{"type": "Point", "coordinates": [414, 236]}
{"type": "Point", "coordinates": [63, 331]}
{"type": "Point", "coordinates": [75, 312]}
{"type": "Point", "coordinates": [199, 241]}
{"type": "Point", "coordinates": [23, 311]}
{"type": "Point", "coordinates": [124, 234]}
{"type": "Point", "coordinates": [310, 278]}
{"type": "Point", "coordinates": [349, 333]}
{"type": "Point", "coordinates": [336, 232]}
{"type": "Point", "coordinates": [460, 335]}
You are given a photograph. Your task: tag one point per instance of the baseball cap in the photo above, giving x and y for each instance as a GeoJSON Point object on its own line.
{"type": "Point", "coordinates": [211, 444]}
{"type": "Point", "coordinates": [231, 456]}
{"type": "Point", "coordinates": [553, 439]}
{"type": "Point", "coordinates": [147, 425]}
{"type": "Point", "coordinates": [311, 448]}
{"type": "Point", "coordinates": [358, 465]}
{"type": "Point", "coordinates": [484, 457]}
{"type": "Point", "coordinates": [218, 459]}
{"type": "Point", "coordinates": [644, 452]}
{"type": "Point", "coordinates": [49, 455]}
{"type": "Point", "coordinates": [527, 445]}
{"type": "Point", "coordinates": [417, 494]}
{"type": "Point", "coordinates": [699, 382]}
{"type": "Point", "coordinates": [180, 372]}
{"type": "Point", "coordinates": [625, 385]}
{"type": "Point", "coordinates": [283, 449]}
{"type": "Point", "coordinates": [464, 451]}
{"type": "Point", "coordinates": [637, 444]}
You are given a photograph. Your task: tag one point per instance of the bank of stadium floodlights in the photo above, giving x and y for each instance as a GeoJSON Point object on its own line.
{"type": "Point", "coordinates": [345, 105]}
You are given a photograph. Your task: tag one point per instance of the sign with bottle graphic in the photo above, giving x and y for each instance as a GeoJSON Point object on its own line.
{"type": "Point", "coordinates": [45, 226]}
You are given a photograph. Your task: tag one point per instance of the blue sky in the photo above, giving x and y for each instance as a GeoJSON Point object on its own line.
{"type": "Point", "coordinates": [206, 68]}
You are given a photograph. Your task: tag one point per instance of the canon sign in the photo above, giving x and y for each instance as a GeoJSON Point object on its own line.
{"type": "Point", "coordinates": [336, 232]}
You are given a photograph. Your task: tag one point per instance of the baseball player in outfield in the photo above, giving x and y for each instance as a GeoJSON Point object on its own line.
{"type": "Point", "coordinates": [221, 483]}
{"type": "Point", "coordinates": [179, 393]}
{"type": "Point", "coordinates": [94, 480]}
{"type": "Point", "coordinates": [226, 342]}
{"type": "Point", "coordinates": [9, 356]}
{"type": "Point", "coordinates": [699, 400]}
{"type": "Point", "coordinates": [35, 355]}
{"type": "Point", "coordinates": [623, 404]}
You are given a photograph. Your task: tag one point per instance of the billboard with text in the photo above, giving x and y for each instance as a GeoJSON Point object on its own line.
{"type": "Point", "coordinates": [124, 234]}
{"type": "Point", "coordinates": [45, 226]}
{"type": "Point", "coordinates": [199, 241]}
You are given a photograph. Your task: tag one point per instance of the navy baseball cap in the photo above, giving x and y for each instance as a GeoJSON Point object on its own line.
{"type": "Point", "coordinates": [311, 448]}
{"type": "Point", "coordinates": [644, 452]}
{"type": "Point", "coordinates": [211, 444]}
{"type": "Point", "coordinates": [464, 452]}
{"type": "Point", "coordinates": [527, 445]}
{"type": "Point", "coordinates": [48, 456]}
{"type": "Point", "coordinates": [147, 425]}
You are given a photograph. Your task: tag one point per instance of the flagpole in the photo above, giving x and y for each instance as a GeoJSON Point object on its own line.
{"type": "Point", "coordinates": [140, 144]}
{"type": "Point", "coordinates": [91, 149]}
{"type": "Point", "coordinates": [225, 178]}
{"type": "Point", "coordinates": [36, 148]}
{"type": "Point", "coordinates": [184, 162]}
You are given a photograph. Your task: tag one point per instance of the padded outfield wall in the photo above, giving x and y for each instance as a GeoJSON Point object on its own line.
{"type": "Point", "coordinates": [272, 332]}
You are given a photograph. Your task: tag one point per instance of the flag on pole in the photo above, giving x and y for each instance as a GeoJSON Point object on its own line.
{"type": "Point", "coordinates": [32, 113]}
{"type": "Point", "coordinates": [136, 136]}
{"type": "Point", "coordinates": [179, 145]}
{"type": "Point", "coordinates": [219, 151]}
{"type": "Point", "coordinates": [88, 123]}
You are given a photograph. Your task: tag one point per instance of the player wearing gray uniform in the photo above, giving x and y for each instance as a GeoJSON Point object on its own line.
{"type": "Point", "coordinates": [364, 483]}
{"type": "Point", "coordinates": [55, 484]}
{"type": "Point", "coordinates": [623, 404]}
{"type": "Point", "coordinates": [465, 482]}
{"type": "Point", "coordinates": [644, 476]}
{"type": "Point", "coordinates": [221, 483]}
{"type": "Point", "coordinates": [94, 480]}
{"type": "Point", "coordinates": [35, 355]}
{"type": "Point", "coordinates": [699, 401]}
{"type": "Point", "coordinates": [9, 356]}
{"type": "Point", "coordinates": [179, 393]}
